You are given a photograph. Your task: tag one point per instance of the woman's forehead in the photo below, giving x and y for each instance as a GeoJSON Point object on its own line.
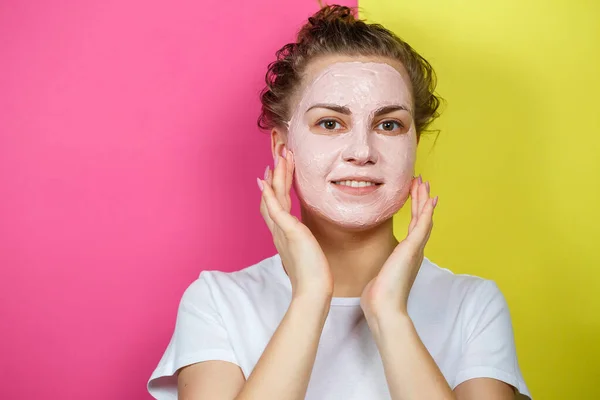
{"type": "Point", "coordinates": [357, 84]}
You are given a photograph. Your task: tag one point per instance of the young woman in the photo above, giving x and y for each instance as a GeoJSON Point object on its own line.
{"type": "Point", "coordinates": [343, 311]}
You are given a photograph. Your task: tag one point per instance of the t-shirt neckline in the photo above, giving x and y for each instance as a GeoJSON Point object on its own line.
{"type": "Point", "coordinates": [335, 301]}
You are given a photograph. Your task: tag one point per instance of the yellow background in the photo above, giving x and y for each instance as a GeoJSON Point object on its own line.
{"type": "Point", "coordinates": [516, 166]}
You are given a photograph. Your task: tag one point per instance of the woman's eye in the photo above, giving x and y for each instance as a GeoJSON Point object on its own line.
{"type": "Point", "coordinates": [330, 124]}
{"type": "Point", "coordinates": [389, 126]}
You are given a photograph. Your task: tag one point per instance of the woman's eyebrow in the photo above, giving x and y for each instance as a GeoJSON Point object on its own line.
{"type": "Point", "coordinates": [390, 109]}
{"type": "Point", "coordinates": [346, 111]}
{"type": "Point", "coordinates": [333, 107]}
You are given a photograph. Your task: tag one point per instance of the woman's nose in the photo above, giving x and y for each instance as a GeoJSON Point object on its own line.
{"type": "Point", "coordinates": [360, 151]}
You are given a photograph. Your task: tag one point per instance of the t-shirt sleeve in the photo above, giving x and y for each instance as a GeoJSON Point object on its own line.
{"type": "Point", "coordinates": [199, 335]}
{"type": "Point", "coordinates": [489, 346]}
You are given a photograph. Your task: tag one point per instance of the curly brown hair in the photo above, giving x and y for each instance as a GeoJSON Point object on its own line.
{"type": "Point", "coordinates": [336, 29]}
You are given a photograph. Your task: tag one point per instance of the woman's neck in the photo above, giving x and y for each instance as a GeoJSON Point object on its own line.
{"type": "Point", "coordinates": [354, 256]}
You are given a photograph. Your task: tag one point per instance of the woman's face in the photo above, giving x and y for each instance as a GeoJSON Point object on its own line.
{"type": "Point", "coordinates": [354, 141]}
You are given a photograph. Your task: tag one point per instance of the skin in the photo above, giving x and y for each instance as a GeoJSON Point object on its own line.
{"type": "Point", "coordinates": [354, 120]}
{"type": "Point", "coordinates": [326, 257]}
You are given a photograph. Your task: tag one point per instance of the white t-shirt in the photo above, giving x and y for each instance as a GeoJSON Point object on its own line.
{"type": "Point", "coordinates": [462, 320]}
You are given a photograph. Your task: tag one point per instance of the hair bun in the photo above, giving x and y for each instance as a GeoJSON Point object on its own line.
{"type": "Point", "coordinates": [327, 16]}
{"type": "Point", "coordinates": [332, 13]}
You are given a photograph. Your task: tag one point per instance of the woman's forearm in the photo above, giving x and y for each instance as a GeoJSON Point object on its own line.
{"type": "Point", "coordinates": [410, 371]}
{"type": "Point", "coordinates": [283, 371]}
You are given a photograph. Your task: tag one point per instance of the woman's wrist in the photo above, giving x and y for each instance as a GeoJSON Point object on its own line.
{"type": "Point", "coordinates": [388, 320]}
{"type": "Point", "coordinates": [312, 298]}
{"type": "Point", "coordinates": [312, 302]}
{"type": "Point", "coordinates": [313, 293]}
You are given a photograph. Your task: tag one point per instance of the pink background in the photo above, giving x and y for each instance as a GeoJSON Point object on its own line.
{"type": "Point", "coordinates": [128, 156]}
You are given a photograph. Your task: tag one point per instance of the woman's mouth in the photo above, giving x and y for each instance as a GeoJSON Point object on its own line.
{"type": "Point", "coordinates": [356, 187]}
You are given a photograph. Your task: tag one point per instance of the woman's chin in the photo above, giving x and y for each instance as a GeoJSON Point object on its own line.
{"type": "Point", "coordinates": [359, 224]}
{"type": "Point", "coordinates": [359, 220]}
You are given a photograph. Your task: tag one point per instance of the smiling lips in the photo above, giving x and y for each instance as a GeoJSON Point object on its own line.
{"type": "Point", "coordinates": [356, 186]}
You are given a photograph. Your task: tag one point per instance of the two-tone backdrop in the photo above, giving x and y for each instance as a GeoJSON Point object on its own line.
{"type": "Point", "coordinates": [129, 152]}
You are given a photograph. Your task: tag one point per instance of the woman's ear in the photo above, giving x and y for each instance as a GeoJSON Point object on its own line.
{"type": "Point", "coordinates": [278, 141]}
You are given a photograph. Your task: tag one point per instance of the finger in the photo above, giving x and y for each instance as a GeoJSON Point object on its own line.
{"type": "Point", "coordinates": [289, 179]}
{"type": "Point", "coordinates": [263, 207]}
{"type": "Point", "coordinates": [282, 219]}
{"type": "Point", "coordinates": [278, 184]}
{"type": "Point", "coordinates": [434, 202]}
{"type": "Point", "coordinates": [269, 176]}
{"type": "Point", "coordinates": [413, 204]}
{"type": "Point", "coordinates": [418, 200]}
{"type": "Point", "coordinates": [423, 196]}
{"type": "Point", "coordinates": [421, 232]}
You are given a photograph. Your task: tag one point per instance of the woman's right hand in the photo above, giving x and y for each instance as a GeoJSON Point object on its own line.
{"type": "Point", "coordinates": [301, 254]}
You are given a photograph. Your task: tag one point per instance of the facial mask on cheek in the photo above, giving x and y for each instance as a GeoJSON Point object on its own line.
{"type": "Point", "coordinates": [360, 152]}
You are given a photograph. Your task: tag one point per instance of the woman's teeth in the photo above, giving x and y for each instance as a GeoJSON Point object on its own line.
{"type": "Point", "coordinates": [355, 183]}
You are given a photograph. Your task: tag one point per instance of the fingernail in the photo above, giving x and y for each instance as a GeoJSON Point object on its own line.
{"type": "Point", "coordinates": [260, 184]}
{"type": "Point", "coordinates": [435, 201]}
{"type": "Point", "coordinates": [267, 173]}
{"type": "Point", "coordinates": [427, 185]}
{"type": "Point", "coordinates": [420, 179]}
{"type": "Point", "coordinates": [284, 152]}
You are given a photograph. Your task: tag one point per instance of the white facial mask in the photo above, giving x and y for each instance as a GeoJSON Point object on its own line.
{"type": "Point", "coordinates": [360, 151]}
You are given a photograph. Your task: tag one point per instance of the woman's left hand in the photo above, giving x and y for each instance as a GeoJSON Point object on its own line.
{"type": "Point", "coordinates": [388, 291]}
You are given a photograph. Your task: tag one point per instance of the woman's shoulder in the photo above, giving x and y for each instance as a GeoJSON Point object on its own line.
{"type": "Point", "coordinates": [464, 290]}
{"type": "Point", "coordinates": [249, 284]}
{"type": "Point", "coordinates": [267, 270]}
{"type": "Point", "coordinates": [431, 274]}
